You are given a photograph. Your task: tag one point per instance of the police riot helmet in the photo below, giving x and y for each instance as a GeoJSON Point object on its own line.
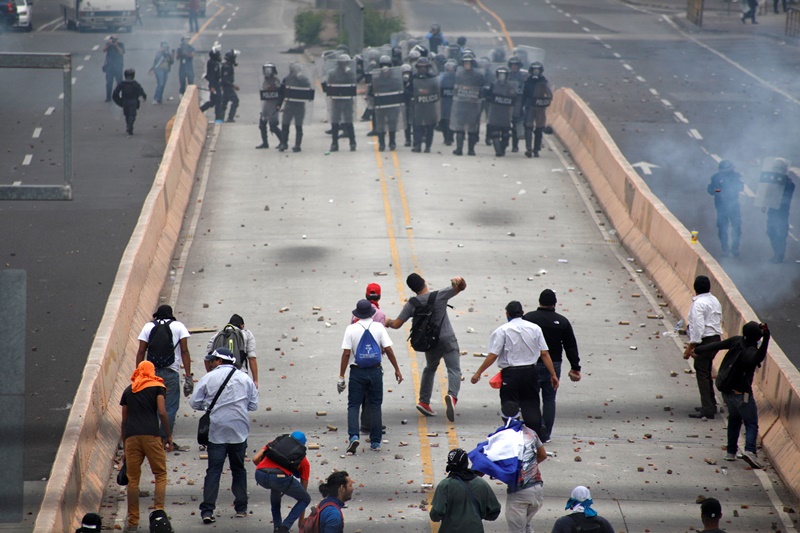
{"type": "Point", "coordinates": [435, 28]}
{"type": "Point", "coordinates": [414, 55]}
{"type": "Point", "coordinates": [343, 48]}
{"type": "Point", "coordinates": [214, 53]}
{"type": "Point", "coordinates": [423, 62]}
{"type": "Point", "coordinates": [230, 56]}
{"type": "Point", "coordinates": [397, 56]}
{"type": "Point", "coordinates": [780, 166]}
{"type": "Point", "coordinates": [343, 58]}
{"type": "Point", "coordinates": [536, 65]}
{"type": "Point", "coordinates": [468, 58]}
{"type": "Point", "coordinates": [501, 74]}
{"type": "Point", "coordinates": [269, 70]}
{"type": "Point", "coordinates": [450, 65]}
{"type": "Point", "coordinates": [385, 61]}
{"type": "Point", "coordinates": [726, 164]}
{"type": "Point", "coordinates": [498, 55]}
{"type": "Point", "coordinates": [514, 60]}
{"type": "Point", "coordinates": [129, 74]}
{"type": "Point", "coordinates": [405, 69]}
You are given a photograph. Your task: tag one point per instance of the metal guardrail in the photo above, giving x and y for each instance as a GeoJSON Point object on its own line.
{"type": "Point", "coordinates": [793, 22]}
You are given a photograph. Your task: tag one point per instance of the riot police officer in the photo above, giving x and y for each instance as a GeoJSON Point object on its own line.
{"type": "Point", "coordinates": [296, 90]}
{"type": "Point", "coordinates": [340, 87]}
{"type": "Point", "coordinates": [425, 87]}
{"type": "Point", "coordinates": [229, 88]}
{"type": "Point", "coordinates": [214, 79]}
{"type": "Point", "coordinates": [501, 96]}
{"type": "Point", "coordinates": [465, 113]}
{"type": "Point", "coordinates": [126, 95]}
{"type": "Point", "coordinates": [270, 104]}
{"type": "Point", "coordinates": [518, 76]}
{"type": "Point", "coordinates": [536, 97]}
{"type": "Point", "coordinates": [388, 96]}
{"type": "Point", "coordinates": [447, 83]}
{"type": "Point", "coordinates": [725, 187]}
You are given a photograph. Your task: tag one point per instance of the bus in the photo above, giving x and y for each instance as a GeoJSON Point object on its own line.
{"type": "Point", "coordinates": [84, 15]}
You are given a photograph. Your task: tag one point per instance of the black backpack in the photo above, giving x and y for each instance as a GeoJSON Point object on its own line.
{"type": "Point", "coordinates": [425, 331]}
{"type": "Point", "coordinates": [160, 349]}
{"type": "Point", "coordinates": [584, 524]}
{"type": "Point", "coordinates": [232, 338]}
{"type": "Point", "coordinates": [286, 451]}
{"type": "Point", "coordinates": [730, 370]}
{"type": "Point", "coordinates": [159, 522]}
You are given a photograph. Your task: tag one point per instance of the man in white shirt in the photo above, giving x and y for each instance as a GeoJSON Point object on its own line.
{"type": "Point", "coordinates": [170, 372]}
{"type": "Point", "coordinates": [705, 326]}
{"type": "Point", "coordinates": [366, 374]}
{"type": "Point", "coordinates": [516, 346]}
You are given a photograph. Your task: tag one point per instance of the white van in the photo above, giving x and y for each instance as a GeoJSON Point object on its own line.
{"type": "Point", "coordinates": [99, 14]}
{"type": "Point", "coordinates": [24, 22]}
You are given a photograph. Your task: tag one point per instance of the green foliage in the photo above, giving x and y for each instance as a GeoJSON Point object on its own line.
{"type": "Point", "coordinates": [379, 26]}
{"type": "Point", "coordinates": [308, 25]}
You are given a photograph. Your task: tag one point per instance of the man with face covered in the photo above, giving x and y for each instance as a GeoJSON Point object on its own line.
{"type": "Point", "coordinates": [536, 97]}
{"type": "Point", "coordinates": [465, 113]}
{"type": "Point", "coordinates": [229, 88]}
{"type": "Point", "coordinates": [425, 86]}
{"type": "Point", "coordinates": [270, 104]}
{"type": "Point", "coordinates": [296, 90]}
{"type": "Point", "coordinates": [214, 79]}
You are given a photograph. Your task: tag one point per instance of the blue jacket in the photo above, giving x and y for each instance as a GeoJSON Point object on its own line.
{"type": "Point", "coordinates": [331, 519]}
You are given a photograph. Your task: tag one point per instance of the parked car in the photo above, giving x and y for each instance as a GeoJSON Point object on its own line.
{"type": "Point", "coordinates": [25, 14]}
{"type": "Point", "coordinates": [8, 14]}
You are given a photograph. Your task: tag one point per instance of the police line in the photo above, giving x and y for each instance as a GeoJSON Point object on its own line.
{"type": "Point", "coordinates": [661, 244]}
{"type": "Point", "coordinates": [85, 456]}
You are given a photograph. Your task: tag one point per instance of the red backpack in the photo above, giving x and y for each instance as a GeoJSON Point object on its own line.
{"type": "Point", "coordinates": [311, 522]}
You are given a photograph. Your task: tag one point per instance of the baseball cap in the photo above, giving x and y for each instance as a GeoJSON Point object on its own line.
{"type": "Point", "coordinates": [415, 282]}
{"type": "Point", "coordinates": [221, 353]}
{"type": "Point", "coordinates": [711, 508]}
{"type": "Point", "coordinates": [373, 289]}
{"type": "Point", "coordinates": [299, 436]}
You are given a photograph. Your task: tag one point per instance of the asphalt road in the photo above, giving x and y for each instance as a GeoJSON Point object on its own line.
{"type": "Point", "coordinates": [675, 101]}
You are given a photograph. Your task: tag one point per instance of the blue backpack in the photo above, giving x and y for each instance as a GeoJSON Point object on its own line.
{"type": "Point", "coordinates": [368, 351]}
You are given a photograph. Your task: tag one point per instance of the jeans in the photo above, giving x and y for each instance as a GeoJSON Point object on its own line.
{"type": "Point", "coordinates": [172, 399]}
{"type": "Point", "coordinates": [548, 398]}
{"type": "Point", "coordinates": [113, 73]}
{"type": "Point", "coordinates": [522, 506]}
{"type": "Point", "coordinates": [740, 412]}
{"type": "Point", "coordinates": [702, 368]}
{"type": "Point", "coordinates": [365, 382]}
{"type": "Point", "coordinates": [278, 485]}
{"type": "Point", "coordinates": [136, 449]}
{"type": "Point", "coordinates": [161, 82]}
{"type": "Point", "coordinates": [521, 385]}
{"type": "Point", "coordinates": [447, 349]}
{"type": "Point", "coordinates": [216, 461]}
{"type": "Point", "coordinates": [729, 216]}
{"type": "Point", "coordinates": [185, 75]}
{"type": "Point", "coordinates": [194, 26]}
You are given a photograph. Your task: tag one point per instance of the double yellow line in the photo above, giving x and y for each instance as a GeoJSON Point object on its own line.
{"type": "Point", "coordinates": [422, 422]}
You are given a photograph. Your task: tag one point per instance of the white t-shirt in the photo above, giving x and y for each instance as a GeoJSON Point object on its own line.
{"type": "Point", "coordinates": [179, 332]}
{"type": "Point", "coordinates": [517, 343]}
{"type": "Point", "coordinates": [353, 333]}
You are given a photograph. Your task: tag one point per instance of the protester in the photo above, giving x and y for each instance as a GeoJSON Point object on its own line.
{"type": "Point", "coordinates": [91, 523]}
{"type": "Point", "coordinates": [373, 294]}
{"type": "Point", "coordinates": [581, 516]}
{"type": "Point", "coordinates": [336, 491]}
{"type": "Point", "coordinates": [705, 327]}
{"type": "Point", "coordinates": [234, 336]}
{"type": "Point", "coordinates": [143, 406]}
{"type": "Point", "coordinates": [279, 475]}
{"type": "Point", "coordinates": [230, 427]}
{"type": "Point", "coordinates": [710, 514]}
{"type": "Point", "coordinates": [463, 500]}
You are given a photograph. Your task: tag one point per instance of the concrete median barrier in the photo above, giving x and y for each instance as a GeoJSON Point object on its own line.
{"type": "Point", "coordinates": [662, 245]}
{"type": "Point", "coordinates": [84, 458]}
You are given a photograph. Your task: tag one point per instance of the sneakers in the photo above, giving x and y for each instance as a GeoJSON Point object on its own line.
{"type": "Point", "coordinates": [450, 401]}
{"type": "Point", "coordinates": [426, 409]}
{"type": "Point", "coordinates": [375, 446]}
{"type": "Point", "coordinates": [178, 448]}
{"type": "Point", "coordinates": [281, 529]}
{"type": "Point", "coordinates": [353, 446]}
{"type": "Point", "coordinates": [730, 456]}
{"type": "Point", "coordinates": [242, 514]}
{"type": "Point", "coordinates": [209, 519]}
{"type": "Point", "coordinates": [751, 459]}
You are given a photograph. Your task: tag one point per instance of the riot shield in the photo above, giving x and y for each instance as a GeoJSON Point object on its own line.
{"type": "Point", "coordinates": [465, 114]}
{"type": "Point", "coordinates": [269, 94]}
{"type": "Point", "coordinates": [297, 93]}
{"type": "Point", "coordinates": [528, 54]}
{"type": "Point", "coordinates": [426, 101]}
{"type": "Point", "coordinates": [388, 98]}
{"type": "Point", "coordinates": [340, 88]}
{"type": "Point", "coordinates": [501, 104]}
{"type": "Point", "coordinates": [771, 184]}
{"type": "Point", "coordinates": [447, 84]}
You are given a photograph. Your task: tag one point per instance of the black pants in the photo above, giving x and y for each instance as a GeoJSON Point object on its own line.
{"type": "Point", "coordinates": [129, 109]}
{"type": "Point", "coordinates": [215, 101]}
{"type": "Point", "coordinates": [702, 368]}
{"type": "Point", "coordinates": [521, 385]}
{"type": "Point", "coordinates": [229, 95]}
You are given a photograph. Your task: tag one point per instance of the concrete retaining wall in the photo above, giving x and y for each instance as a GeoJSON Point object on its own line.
{"type": "Point", "coordinates": [661, 244]}
{"type": "Point", "coordinates": [84, 459]}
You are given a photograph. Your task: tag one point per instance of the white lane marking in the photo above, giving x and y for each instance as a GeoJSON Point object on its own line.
{"type": "Point", "coordinates": [696, 134]}
{"type": "Point", "coordinates": [608, 46]}
{"type": "Point", "coordinates": [49, 110]}
{"type": "Point", "coordinates": [27, 160]}
{"type": "Point", "coordinates": [74, 79]}
{"type": "Point", "coordinates": [641, 79]}
{"type": "Point", "coordinates": [733, 63]}
{"type": "Point", "coordinates": [654, 92]}
{"type": "Point", "coordinates": [95, 48]}
{"type": "Point", "coordinates": [37, 133]}
{"type": "Point", "coordinates": [17, 183]}
{"type": "Point", "coordinates": [627, 66]}
{"type": "Point", "coordinates": [683, 119]}
{"type": "Point", "coordinates": [617, 55]}
{"type": "Point", "coordinates": [61, 96]}
{"type": "Point", "coordinates": [567, 14]}
{"type": "Point", "coordinates": [229, 19]}
{"type": "Point", "coordinates": [776, 502]}
{"type": "Point", "coordinates": [224, 26]}
{"type": "Point", "coordinates": [587, 30]}
{"type": "Point", "coordinates": [666, 103]}
{"type": "Point", "coordinates": [219, 34]}
{"type": "Point", "coordinates": [46, 24]}
{"type": "Point", "coordinates": [575, 21]}
{"type": "Point", "coordinates": [79, 68]}
{"type": "Point", "coordinates": [87, 57]}
{"type": "Point", "coordinates": [596, 37]}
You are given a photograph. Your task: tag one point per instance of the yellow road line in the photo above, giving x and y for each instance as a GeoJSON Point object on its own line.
{"type": "Point", "coordinates": [422, 423]}
{"type": "Point", "coordinates": [500, 22]}
{"type": "Point", "coordinates": [205, 25]}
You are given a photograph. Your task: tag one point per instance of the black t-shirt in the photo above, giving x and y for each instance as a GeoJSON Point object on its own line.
{"type": "Point", "coordinates": [142, 410]}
